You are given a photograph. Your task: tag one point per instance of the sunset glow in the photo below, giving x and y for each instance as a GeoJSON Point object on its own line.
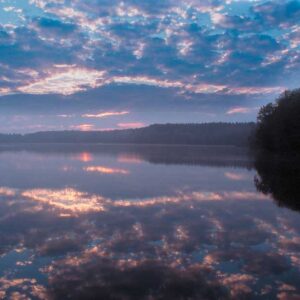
{"type": "Point", "coordinates": [120, 65]}
{"type": "Point", "coordinates": [149, 149]}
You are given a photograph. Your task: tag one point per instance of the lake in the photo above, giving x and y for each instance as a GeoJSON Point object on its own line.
{"type": "Point", "coordinates": [146, 222]}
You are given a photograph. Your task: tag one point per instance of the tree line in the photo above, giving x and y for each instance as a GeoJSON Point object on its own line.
{"type": "Point", "coordinates": [190, 134]}
{"type": "Point", "coordinates": [278, 125]}
{"type": "Point", "coordinates": [277, 131]}
{"type": "Point", "coordinates": [277, 145]}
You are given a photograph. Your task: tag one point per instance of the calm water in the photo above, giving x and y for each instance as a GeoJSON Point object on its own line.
{"type": "Point", "coordinates": [145, 222]}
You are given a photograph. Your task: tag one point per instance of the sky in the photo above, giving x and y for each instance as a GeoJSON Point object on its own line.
{"type": "Point", "coordinates": [109, 64]}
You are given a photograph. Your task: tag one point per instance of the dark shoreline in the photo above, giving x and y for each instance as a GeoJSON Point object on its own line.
{"type": "Point", "coordinates": [231, 134]}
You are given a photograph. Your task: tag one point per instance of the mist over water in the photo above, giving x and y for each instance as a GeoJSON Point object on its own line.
{"type": "Point", "coordinates": [146, 222]}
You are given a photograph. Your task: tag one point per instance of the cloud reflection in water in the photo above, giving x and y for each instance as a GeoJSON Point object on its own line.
{"type": "Point", "coordinates": [204, 238]}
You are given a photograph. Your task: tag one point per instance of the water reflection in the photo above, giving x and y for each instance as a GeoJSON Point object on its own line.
{"type": "Point", "coordinates": [135, 154]}
{"type": "Point", "coordinates": [105, 170]}
{"type": "Point", "coordinates": [84, 157]}
{"type": "Point", "coordinates": [279, 177]}
{"type": "Point", "coordinates": [67, 200]}
{"type": "Point", "coordinates": [193, 229]}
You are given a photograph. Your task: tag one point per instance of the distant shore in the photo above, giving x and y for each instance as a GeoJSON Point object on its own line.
{"type": "Point", "coordinates": [206, 134]}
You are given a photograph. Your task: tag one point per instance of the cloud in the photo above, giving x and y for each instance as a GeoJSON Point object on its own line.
{"type": "Point", "coordinates": [5, 91]}
{"type": "Point", "coordinates": [68, 80]}
{"type": "Point", "coordinates": [65, 82]}
{"type": "Point", "coordinates": [191, 50]}
{"type": "Point", "coordinates": [239, 110]}
{"type": "Point", "coordinates": [53, 27]}
{"type": "Point", "coordinates": [275, 14]}
{"type": "Point", "coordinates": [106, 114]}
{"type": "Point", "coordinates": [83, 127]}
{"type": "Point", "coordinates": [131, 125]}
{"type": "Point", "coordinates": [235, 176]}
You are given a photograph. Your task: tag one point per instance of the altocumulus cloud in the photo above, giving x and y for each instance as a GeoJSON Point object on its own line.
{"type": "Point", "coordinates": [99, 59]}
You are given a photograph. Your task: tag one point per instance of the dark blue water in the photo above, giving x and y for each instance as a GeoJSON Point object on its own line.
{"type": "Point", "coordinates": [145, 222]}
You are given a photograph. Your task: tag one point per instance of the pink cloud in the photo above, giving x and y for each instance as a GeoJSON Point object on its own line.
{"type": "Point", "coordinates": [235, 176]}
{"type": "Point", "coordinates": [239, 110]}
{"type": "Point", "coordinates": [106, 114]}
{"type": "Point", "coordinates": [131, 125]}
{"type": "Point", "coordinates": [83, 127]}
{"type": "Point", "coordinates": [70, 79]}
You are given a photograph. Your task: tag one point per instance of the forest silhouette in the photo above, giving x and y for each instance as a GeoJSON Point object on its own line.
{"type": "Point", "coordinates": [278, 125]}
{"type": "Point", "coordinates": [172, 134]}
{"type": "Point", "coordinates": [277, 146]}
